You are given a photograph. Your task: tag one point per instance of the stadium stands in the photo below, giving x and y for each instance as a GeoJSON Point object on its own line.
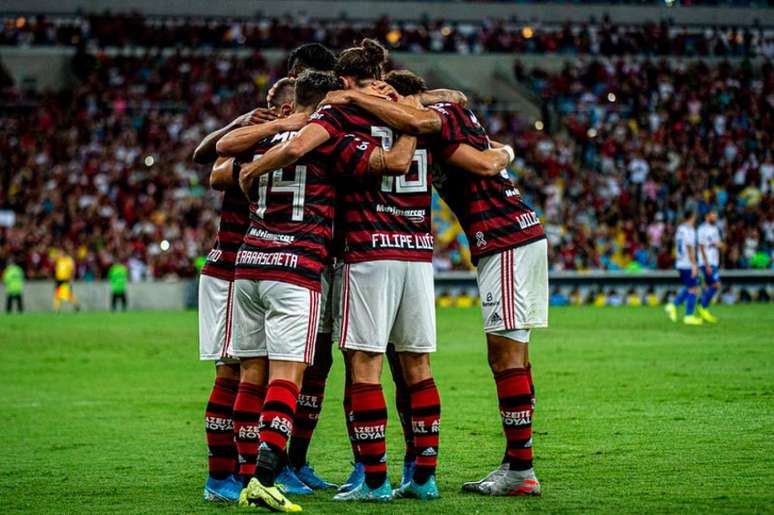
{"type": "Point", "coordinates": [628, 137]}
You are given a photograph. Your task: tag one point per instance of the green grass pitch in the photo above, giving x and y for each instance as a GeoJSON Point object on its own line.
{"type": "Point", "coordinates": [103, 413]}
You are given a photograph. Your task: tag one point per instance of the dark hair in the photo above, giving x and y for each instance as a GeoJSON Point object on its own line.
{"type": "Point", "coordinates": [311, 56]}
{"type": "Point", "coordinates": [312, 86]}
{"type": "Point", "coordinates": [362, 62]}
{"type": "Point", "coordinates": [405, 82]}
{"type": "Point", "coordinates": [283, 92]}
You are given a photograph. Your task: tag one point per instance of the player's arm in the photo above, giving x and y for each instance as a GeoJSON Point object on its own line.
{"type": "Point", "coordinates": [206, 152]}
{"type": "Point", "coordinates": [224, 173]}
{"type": "Point", "coordinates": [241, 139]}
{"type": "Point", "coordinates": [397, 160]}
{"type": "Point", "coordinates": [398, 115]}
{"type": "Point", "coordinates": [692, 256]}
{"type": "Point", "coordinates": [481, 162]}
{"type": "Point", "coordinates": [436, 96]}
{"type": "Point", "coordinates": [280, 156]}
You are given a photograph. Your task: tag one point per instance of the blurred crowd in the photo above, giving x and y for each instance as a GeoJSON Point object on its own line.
{"type": "Point", "coordinates": [598, 37]}
{"type": "Point", "coordinates": [104, 171]}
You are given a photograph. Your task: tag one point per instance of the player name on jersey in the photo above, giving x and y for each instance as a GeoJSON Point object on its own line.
{"type": "Point", "coordinates": [402, 241]}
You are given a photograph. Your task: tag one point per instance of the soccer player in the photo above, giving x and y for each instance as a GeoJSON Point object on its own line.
{"type": "Point", "coordinates": [279, 270]}
{"type": "Point", "coordinates": [386, 281]}
{"type": "Point", "coordinates": [64, 273]}
{"type": "Point", "coordinates": [710, 245]}
{"type": "Point", "coordinates": [118, 275]}
{"type": "Point", "coordinates": [509, 247]}
{"type": "Point", "coordinates": [686, 264]}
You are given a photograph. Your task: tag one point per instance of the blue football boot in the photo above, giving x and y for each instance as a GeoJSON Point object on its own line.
{"type": "Point", "coordinates": [310, 478]}
{"type": "Point", "coordinates": [356, 477]}
{"type": "Point", "coordinates": [222, 490]}
{"type": "Point", "coordinates": [289, 483]}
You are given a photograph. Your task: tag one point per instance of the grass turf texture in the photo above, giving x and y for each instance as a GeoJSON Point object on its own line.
{"type": "Point", "coordinates": [103, 413]}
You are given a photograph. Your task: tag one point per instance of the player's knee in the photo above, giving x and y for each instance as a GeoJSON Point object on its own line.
{"type": "Point", "coordinates": [323, 356]}
{"type": "Point", "coordinates": [365, 367]}
{"type": "Point", "coordinates": [416, 367]}
{"type": "Point", "coordinates": [505, 354]}
{"type": "Point", "coordinates": [228, 371]}
{"type": "Point", "coordinates": [254, 370]}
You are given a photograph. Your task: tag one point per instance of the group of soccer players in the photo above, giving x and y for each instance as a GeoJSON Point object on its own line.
{"type": "Point", "coordinates": [325, 237]}
{"type": "Point", "coordinates": [697, 252]}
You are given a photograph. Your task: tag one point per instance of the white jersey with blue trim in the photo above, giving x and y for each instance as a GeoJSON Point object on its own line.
{"type": "Point", "coordinates": [686, 237]}
{"type": "Point", "coordinates": [709, 237]}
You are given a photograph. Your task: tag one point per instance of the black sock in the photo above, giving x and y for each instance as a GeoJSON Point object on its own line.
{"type": "Point", "coordinates": [375, 479]}
{"type": "Point", "coordinates": [269, 463]}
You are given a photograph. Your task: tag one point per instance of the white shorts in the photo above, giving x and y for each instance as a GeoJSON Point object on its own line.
{"type": "Point", "coordinates": [215, 315]}
{"type": "Point", "coordinates": [513, 286]}
{"type": "Point", "coordinates": [275, 319]}
{"type": "Point", "coordinates": [326, 301]}
{"type": "Point", "coordinates": [384, 302]}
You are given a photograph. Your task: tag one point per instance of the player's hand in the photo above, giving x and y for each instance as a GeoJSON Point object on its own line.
{"type": "Point", "coordinates": [294, 122]}
{"type": "Point", "coordinates": [339, 97]}
{"type": "Point", "coordinates": [254, 117]}
{"type": "Point", "coordinates": [412, 101]}
{"type": "Point", "coordinates": [694, 270]}
{"type": "Point", "coordinates": [708, 270]}
{"type": "Point", "coordinates": [382, 89]}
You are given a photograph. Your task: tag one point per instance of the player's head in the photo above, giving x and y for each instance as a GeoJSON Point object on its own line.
{"type": "Point", "coordinates": [280, 97]}
{"type": "Point", "coordinates": [358, 66]}
{"type": "Point", "coordinates": [405, 82]}
{"type": "Point", "coordinates": [712, 216]}
{"type": "Point", "coordinates": [689, 216]}
{"type": "Point", "coordinates": [311, 88]}
{"type": "Point", "coordinates": [311, 56]}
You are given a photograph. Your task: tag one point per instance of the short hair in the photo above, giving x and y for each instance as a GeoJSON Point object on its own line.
{"type": "Point", "coordinates": [283, 92]}
{"type": "Point", "coordinates": [362, 62]}
{"type": "Point", "coordinates": [405, 82]}
{"type": "Point", "coordinates": [311, 56]}
{"type": "Point", "coordinates": [312, 86]}
{"type": "Point", "coordinates": [688, 214]}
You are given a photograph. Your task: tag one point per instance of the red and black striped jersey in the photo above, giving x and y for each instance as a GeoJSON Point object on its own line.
{"type": "Point", "coordinates": [234, 221]}
{"type": "Point", "coordinates": [384, 217]}
{"type": "Point", "coordinates": [291, 222]}
{"type": "Point", "coordinates": [490, 209]}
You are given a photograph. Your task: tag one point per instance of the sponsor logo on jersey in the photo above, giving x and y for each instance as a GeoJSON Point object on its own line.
{"type": "Point", "coordinates": [250, 257]}
{"type": "Point", "coordinates": [511, 192]}
{"type": "Point", "coordinates": [402, 241]}
{"type": "Point", "coordinates": [270, 236]}
{"type": "Point", "coordinates": [528, 220]}
{"type": "Point", "coordinates": [415, 215]}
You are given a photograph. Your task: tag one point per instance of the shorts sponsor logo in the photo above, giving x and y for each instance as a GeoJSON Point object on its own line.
{"type": "Point", "coordinates": [516, 418]}
{"type": "Point", "coordinates": [219, 424]}
{"type": "Point", "coordinates": [490, 302]}
{"type": "Point", "coordinates": [364, 433]}
{"type": "Point", "coordinates": [495, 318]}
{"type": "Point", "coordinates": [250, 257]}
{"type": "Point", "coordinates": [415, 215]}
{"type": "Point", "coordinates": [402, 241]}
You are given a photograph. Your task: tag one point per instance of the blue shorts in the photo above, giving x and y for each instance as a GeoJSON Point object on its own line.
{"type": "Point", "coordinates": [686, 279]}
{"type": "Point", "coordinates": [711, 278]}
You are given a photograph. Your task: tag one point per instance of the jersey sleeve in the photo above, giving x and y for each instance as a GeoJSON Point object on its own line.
{"type": "Point", "coordinates": [329, 118]}
{"type": "Point", "coordinates": [351, 155]}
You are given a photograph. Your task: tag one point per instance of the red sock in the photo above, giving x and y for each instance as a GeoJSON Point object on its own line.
{"type": "Point", "coordinates": [402, 402]}
{"type": "Point", "coordinates": [247, 413]}
{"type": "Point", "coordinates": [310, 401]}
{"type": "Point", "coordinates": [348, 418]}
{"type": "Point", "coordinates": [426, 425]}
{"type": "Point", "coordinates": [219, 425]}
{"type": "Point", "coordinates": [513, 391]}
{"type": "Point", "coordinates": [506, 458]}
{"type": "Point", "coordinates": [369, 426]}
{"type": "Point", "coordinates": [275, 428]}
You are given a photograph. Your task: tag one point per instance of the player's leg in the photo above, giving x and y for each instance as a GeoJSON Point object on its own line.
{"type": "Point", "coordinates": [215, 301]}
{"type": "Point", "coordinates": [57, 301]}
{"type": "Point", "coordinates": [370, 296]}
{"type": "Point", "coordinates": [292, 315]}
{"type": "Point", "coordinates": [414, 335]}
{"type": "Point", "coordinates": [712, 284]}
{"type": "Point", "coordinates": [403, 407]}
{"type": "Point", "coordinates": [122, 298]}
{"type": "Point", "coordinates": [71, 298]}
{"type": "Point", "coordinates": [312, 394]}
{"type": "Point", "coordinates": [514, 289]}
{"type": "Point", "coordinates": [682, 296]}
{"type": "Point", "coordinates": [692, 285]}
